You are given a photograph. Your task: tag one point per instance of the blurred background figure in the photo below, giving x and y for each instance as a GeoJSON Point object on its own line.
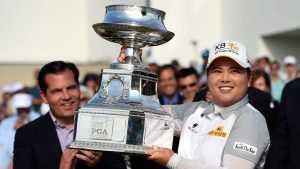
{"type": "Point", "coordinates": [5, 107]}
{"type": "Point", "coordinates": [202, 73]}
{"type": "Point", "coordinates": [91, 81]}
{"type": "Point", "coordinates": [277, 82]}
{"type": "Point", "coordinates": [290, 67]}
{"type": "Point", "coordinates": [188, 84]}
{"type": "Point", "coordinates": [34, 91]}
{"type": "Point", "coordinates": [263, 62]}
{"type": "Point", "coordinates": [176, 65]}
{"type": "Point", "coordinates": [85, 95]}
{"type": "Point", "coordinates": [22, 103]}
{"type": "Point", "coordinates": [261, 80]}
{"type": "Point", "coordinates": [168, 86]}
{"type": "Point", "coordinates": [152, 64]}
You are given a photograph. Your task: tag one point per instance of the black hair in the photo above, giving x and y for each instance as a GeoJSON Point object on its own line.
{"type": "Point", "coordinates": [164, 67]}
{"type": "Point", "coordinates": [186, 72]}
{"type": "Point", "coordinates": [56, 67]}
{"type": "Point", "coordinates": [90, 76]}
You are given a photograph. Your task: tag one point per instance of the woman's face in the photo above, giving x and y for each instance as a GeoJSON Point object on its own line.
{"type": "Point", "coordinates": [227, 82]}
{"type": "Point", "coordinates": [260, 83]}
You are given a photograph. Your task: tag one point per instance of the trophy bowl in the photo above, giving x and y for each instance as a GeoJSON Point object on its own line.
{"type": "Point", "coordinates": [125, 115]}
{"type": "Point", "coordinates": [133, 26]}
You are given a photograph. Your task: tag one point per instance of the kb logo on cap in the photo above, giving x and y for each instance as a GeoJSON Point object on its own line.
{"type": "Point", "coordinates": [227, 47]}
{"type": "Point", "coordinates": [230, 45]}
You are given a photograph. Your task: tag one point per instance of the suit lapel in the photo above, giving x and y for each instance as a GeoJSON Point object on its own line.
{"type": "Point", "coordinates": [50, 137]}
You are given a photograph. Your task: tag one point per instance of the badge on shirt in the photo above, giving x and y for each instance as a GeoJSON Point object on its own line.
{"type": "Point", "coordinates": [218, 132]}
{"type": "Point", "coordinates": [245, 147]}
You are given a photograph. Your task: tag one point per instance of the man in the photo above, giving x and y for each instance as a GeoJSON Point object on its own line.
{"type": "Point", "coordinates": [285, 147]}
{"type": "Point", "coordinates": [188, 83]}
{"type": "Point", "coordinates": [21, 103]}
{"type": "Point", "coordinates": [227, 132]}
{"type": "Point", "coordinates": [168, 86]}
{"type": "Point", "coordinates": [42, 143]}
{"type": "Point", "coordinates": [290, 64]}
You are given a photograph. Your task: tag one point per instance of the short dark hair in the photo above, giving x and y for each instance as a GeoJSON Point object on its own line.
{"type": "Point", "coordinates": [56, 67]}
{"type": "Point", "coordinates": [164, 67]}
{"type": "Point", "coordinates": [184, 72]}
{"type": "Point", "coordinates": [260, 73]}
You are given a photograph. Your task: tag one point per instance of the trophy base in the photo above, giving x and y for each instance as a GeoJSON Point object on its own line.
{"type": "Point", "coordinates": [109, 147]}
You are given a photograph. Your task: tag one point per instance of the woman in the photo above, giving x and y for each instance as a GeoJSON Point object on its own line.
{"type": "Point", "coordinates": [261, 80]}
{"type": "Point", "coordinates": [225, 133]}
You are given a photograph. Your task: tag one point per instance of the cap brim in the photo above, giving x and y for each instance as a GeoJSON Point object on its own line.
{"type": "Point", "coordinates": [243, 65]}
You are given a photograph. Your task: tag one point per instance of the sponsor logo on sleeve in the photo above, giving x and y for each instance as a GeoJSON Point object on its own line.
{"type": "Point", "coordinates": [245, 148]}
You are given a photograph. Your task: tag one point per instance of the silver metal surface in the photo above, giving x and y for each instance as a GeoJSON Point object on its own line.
{"type": "Point", "coordinates": [125, 115]}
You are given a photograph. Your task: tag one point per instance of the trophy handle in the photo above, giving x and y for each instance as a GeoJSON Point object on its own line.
{"type": "Point", "coordinates": [132, 56]}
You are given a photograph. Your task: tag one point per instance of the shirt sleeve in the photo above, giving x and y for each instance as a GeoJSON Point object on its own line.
{"type": "Point", "coordinates": [229, 162]}
{"type": "Point", "coordinates": [249, 138]}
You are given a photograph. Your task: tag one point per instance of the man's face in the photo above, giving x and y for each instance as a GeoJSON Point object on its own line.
{"type": "Point", "coordinates": [227, 82]}
{"type": "Point", "coordinates": [189, 86]}
{"type": "Point", "coordinates": [167, 84]}
{"type": "Point", "coordinates": [290, 68]}
{"type": "Point", "coordinates": [62, 94]}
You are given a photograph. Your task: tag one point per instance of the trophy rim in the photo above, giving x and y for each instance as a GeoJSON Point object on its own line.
{"type": "Point", "coordinates": [100, 29]}
{"type": "Point", "coordinates": [135, 7]}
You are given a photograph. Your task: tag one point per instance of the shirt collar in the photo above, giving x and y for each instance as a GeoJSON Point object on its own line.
{"type": "Point", "coordinates": [175, 99]}
{"type": "Point", "coordinates": [227, 111]}
{"type": "Point", "coordinates": [57, 125]}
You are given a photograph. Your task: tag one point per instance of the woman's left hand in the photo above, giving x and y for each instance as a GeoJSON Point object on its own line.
{"type": "Point", "coordinates": [161, 155]}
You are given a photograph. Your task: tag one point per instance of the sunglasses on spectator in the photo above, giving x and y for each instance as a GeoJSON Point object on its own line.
{"type": "Point", "coordinates": [183, 87]}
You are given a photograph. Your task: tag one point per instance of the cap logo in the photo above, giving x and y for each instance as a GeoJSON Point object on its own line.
{"type": "Point", "coordinates": [227, 47]}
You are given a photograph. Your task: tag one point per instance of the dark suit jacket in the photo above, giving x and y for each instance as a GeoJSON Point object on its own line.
{"type": "Point", "coordinates": [37, 147]}
{"type": "Point", "coordinates": [285, 144]}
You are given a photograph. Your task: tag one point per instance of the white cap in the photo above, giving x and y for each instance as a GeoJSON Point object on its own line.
{"type": "Point", "coordinates": [151, 60]}
{"type": "Point", "coordinates": [7, 89]}
{"type": "Point", "coordinates": [17, 86]}
{"type": "Point", "coordinates": [22, 100]}
{"type": "Point", "coordinates": [230, 49]}
{"type": "Point", "coordinates": [290, 60]}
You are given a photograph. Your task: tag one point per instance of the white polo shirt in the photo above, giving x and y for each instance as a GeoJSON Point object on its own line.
{"type": "Point", "coordinates": [206, 134]}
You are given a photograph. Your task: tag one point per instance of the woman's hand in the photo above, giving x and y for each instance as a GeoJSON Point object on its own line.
{"type": "Point", "coordinates": [161, 155]}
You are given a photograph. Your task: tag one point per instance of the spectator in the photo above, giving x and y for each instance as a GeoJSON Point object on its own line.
{"type": "Point", "coordinates": [22, 103]}
{"type": "Point", "coordinates": [285, 147]}
{"type": "Point", "coordinates": [277, 83]}
{"type": "Point", "coordinates": [290, 67]}
{"type": "Point", "coordinates": [85, 95]}
{"type": "Point", "coordinates": [227, 133]}
{"type": "Point", "coordinates": [263, 62]}
{"type": "Point", "coordinates": [153, 66]}
{"type": "Point", "coordinates": [188, 83]}
{"type": "Point", "coordinates": [91, 81]}
{"type": "Point", "coordinates": [261, 80]}
{"type": "Point", "coordinates": [203, 74]}
{"type": "Point", "coordinates": [34, 91]}
{"type": "Point", "coordinates": [6, 107]}
{"type": "Point", "coordinates": [42, 143]}
{"type": "Point", "coordinates": [168, 86]}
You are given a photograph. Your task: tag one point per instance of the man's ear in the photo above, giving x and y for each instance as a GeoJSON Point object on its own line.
{"type": "Point", "coordinates": [44, 98]}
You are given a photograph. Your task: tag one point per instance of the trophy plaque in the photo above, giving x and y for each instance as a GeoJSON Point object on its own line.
{"type": "Point", "coordinates": [125, 115]}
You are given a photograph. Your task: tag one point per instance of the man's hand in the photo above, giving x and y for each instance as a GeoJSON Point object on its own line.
{"type": "Point", "coordinates": [68, 159]}
{"type": "Point", "coordinates": [161, 155]}
{"type": "Point", "coordinates": [90, 157]}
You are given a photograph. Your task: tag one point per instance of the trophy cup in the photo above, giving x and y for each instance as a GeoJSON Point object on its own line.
{"type": "Point", "coordinates": [125, 115]}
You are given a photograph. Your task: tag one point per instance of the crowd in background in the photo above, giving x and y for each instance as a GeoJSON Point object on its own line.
{"type": "Point", "coordinates": [176, 85]}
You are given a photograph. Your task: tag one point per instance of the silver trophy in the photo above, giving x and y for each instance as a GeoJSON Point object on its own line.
{"type": "Point", "coordinates": [125, 115]}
